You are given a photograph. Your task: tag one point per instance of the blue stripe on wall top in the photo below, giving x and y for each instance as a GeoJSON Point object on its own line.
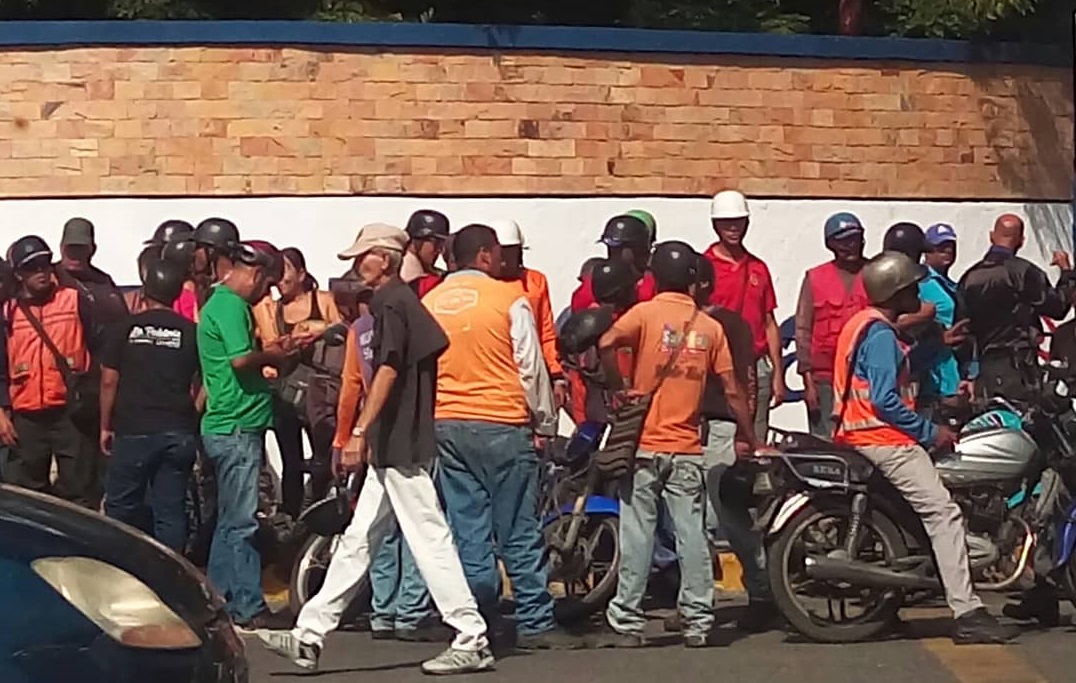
{"type": "Point", "coordinates": [532, 38]}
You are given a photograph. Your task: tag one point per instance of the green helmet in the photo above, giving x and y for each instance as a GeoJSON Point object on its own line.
{"type": "Point", "coordinates": [648, 219]}
{"type": "Point", "coordinates": [888, 273]}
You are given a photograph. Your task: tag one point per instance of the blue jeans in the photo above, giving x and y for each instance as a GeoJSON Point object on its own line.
{"type": "Point", "coordinates": [234, 564]}
{"type": "Point", "coordinates": [400, 599]}
{"type": "Point", "coordinates": [488, 474]}
{"type": "Point", "coordinates": [734, 524]}
{"type": "Point", "coordinates": [161, 463]}
{"type": "Point", "coordinates": [676, 480]}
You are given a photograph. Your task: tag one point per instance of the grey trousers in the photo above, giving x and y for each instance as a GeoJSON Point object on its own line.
{"type": "Point", "coordinates": [820, 422]}
{"type": "Point", "coordinates": [911, 470]}
{"type": "Point", "coordinates": [764, 394]}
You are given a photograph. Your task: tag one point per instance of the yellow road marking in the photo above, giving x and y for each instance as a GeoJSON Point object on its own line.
{"type": "Point", "coordinates": [976, 663]}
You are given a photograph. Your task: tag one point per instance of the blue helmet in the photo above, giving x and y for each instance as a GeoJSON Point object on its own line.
{"type": "Point", "coordinates": [843, 224]}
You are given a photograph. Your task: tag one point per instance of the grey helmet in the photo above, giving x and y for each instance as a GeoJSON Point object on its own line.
{"type": "Point", "coordinates": [888, 273]}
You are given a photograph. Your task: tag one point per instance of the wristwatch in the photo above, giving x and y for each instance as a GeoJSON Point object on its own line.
{"type": "Point", "coordinates": [358, 431]}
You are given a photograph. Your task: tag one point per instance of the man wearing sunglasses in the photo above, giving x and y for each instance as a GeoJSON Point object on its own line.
{"type": "Point", "coordinates": [50, 336]}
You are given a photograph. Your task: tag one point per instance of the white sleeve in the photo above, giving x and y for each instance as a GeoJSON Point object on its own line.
{"type": "Point", "coordinates": [533, 375]}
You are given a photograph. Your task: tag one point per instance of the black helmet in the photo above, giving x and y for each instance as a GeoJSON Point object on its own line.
{"type": "Point", "coordinates": [626, 231]}
{"type": "Point", "coordinates": [611, 279]}
{"type": "Point", "coordinates": [179, 252]}
{"type": "Point", "coordinates": [219, 233]}
{"type": "Point", "coordinates": [675, 264]}
{"type": "Point", "coordinates": [427, 224]}
{"type": "Point", "coordinates": [737, 486]}
{"type": "Point", "coordinates": [26, 249]}
{"type": "Point", "coordinates": [164, 281]}
{"type": "Point", "coordinates": [582, 330]}
{"type": "Point", "coordinates": [169, 231]}
{"type": "Point", "coordinates": [907, 238]}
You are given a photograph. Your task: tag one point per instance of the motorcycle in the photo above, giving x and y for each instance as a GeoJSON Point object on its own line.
{"type": "Point", "coordinates": [581, 525]}
{"type": "Point", "coordinates": [845, 551]}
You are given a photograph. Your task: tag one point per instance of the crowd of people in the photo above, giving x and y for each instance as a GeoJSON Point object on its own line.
{"type": "Point", "coordinates": [448, 384]}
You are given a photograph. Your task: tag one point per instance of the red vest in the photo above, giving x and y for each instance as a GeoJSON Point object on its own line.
{"type": "Point", "coordinates": [834, 306]}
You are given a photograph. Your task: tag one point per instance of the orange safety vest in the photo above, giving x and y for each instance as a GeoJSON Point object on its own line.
{"type": "Point", "coordinates": [834, 306]}
{"type": "Point", "coordinates": [36, 383]}
{"type": "Point", "coordinates": [857, 419]}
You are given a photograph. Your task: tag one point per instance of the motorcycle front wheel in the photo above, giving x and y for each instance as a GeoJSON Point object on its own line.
{"type": "Point", "coordinates": [583, 578]}
{"type": "Point", "coordinates": [832, 612]}
{"type": "Point", "coordinates": [308, 573]}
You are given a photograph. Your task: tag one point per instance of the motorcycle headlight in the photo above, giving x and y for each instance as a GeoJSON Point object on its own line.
{"type": "Point", "coordinates": [118, 603]}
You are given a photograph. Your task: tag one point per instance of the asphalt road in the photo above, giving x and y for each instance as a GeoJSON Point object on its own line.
{"type": "Point", "coordinates": [921, 654]}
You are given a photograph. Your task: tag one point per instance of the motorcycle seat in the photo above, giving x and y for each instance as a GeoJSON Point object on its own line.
{"type": "Point", "coordinates": [806, 448]}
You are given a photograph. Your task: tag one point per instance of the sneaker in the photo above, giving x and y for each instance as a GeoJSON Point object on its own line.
{"type": "Point", "coordinates": [553, 639]}
{"type": "Point", "coordinates": [759, 617]}
{"type": "Point", "coordinates": [284, 644]}
{"type": "Point", "coordinates": [978, 627]}
{"type": "Point", "coordinates": [453, 661]}
{"type": "Point", "coordinates": [268, 621]}
{"type": "Point", "coordinates": [429, 633]}
{"type": "Point", "coordinates": [696, 640]}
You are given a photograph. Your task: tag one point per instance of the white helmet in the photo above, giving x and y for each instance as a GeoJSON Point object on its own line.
{"type": "Point", "coordinates": [729, 204]}
{"type": "Point", "coordinates": [508, 232]}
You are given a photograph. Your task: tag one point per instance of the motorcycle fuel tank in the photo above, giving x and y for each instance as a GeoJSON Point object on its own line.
{"type": "Point", "coordinates": [991, 455]}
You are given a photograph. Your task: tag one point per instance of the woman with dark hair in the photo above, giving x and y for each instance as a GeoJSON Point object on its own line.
{"type": "Point", "coordinates": [302, 309]}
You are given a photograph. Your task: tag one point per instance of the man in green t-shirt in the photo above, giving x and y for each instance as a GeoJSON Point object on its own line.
{"type": "Point", "coordinates": [239, 410]}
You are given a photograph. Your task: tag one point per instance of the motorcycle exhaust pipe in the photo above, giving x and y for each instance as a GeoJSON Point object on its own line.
{"type": "Point", "coordinates": [860, 574]}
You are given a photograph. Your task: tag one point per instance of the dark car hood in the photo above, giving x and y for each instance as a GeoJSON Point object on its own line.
{"type": "Point", "coordinates": [34, 525]}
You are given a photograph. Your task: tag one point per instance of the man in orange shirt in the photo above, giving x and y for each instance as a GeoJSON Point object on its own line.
{"type": "Point", "coordinates": [494, 405]}
{"type": "Point", "coordinates": [669, 468]}
{"type": "Point", "coordinates": [535, 287]}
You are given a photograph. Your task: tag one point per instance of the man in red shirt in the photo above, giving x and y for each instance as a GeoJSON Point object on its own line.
{"type": "Point", "coordinates": [629, 239]}
{"type": "Point", "coordinates": [743, 284]}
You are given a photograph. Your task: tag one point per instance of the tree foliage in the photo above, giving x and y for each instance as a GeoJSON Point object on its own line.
{"type": "Point", "coordinates": [1033, 20]}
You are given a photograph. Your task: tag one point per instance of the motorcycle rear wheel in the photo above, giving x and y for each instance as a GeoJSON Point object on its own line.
{"type": "Point", "coordinates": [790, 549]}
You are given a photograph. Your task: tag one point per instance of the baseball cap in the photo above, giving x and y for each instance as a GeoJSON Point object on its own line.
{"type": "Point", "coordinates": [940, 233]}
{"type": "Point", "coordinates": [841, 225]}
{"type": "Point", "coordinates": [78, 232]}
{"type": "Point", "coordinates": [375, 236]}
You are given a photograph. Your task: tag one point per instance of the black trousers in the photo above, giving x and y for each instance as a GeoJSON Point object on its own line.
{"type": "Point", "coordinates": [289, 436]}
{"type": "Point", "coordinates": [47, 434]}
{"type": "Point", "coordinates": [1014, 377]}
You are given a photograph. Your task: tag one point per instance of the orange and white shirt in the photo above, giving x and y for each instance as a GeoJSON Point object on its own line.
{"type": "Point", "coordinates": [493, 369]}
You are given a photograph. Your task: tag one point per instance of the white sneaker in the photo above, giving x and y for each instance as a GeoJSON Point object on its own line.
{"type": "Point", "coordinates": [453, 661]}
{"type": "Point", "coordinates": [284, 644]}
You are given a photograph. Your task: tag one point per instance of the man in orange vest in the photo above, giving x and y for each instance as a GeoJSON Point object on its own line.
{"type": "Point", "coordinates": [494, 405]}
{"type": "Point", "coordinates": [875, 413]}
{"type": "Point", "coordinates": [50, 332]}
{"type": "Point", "coordinates": [831, 294]}
{"type": "Point", "coordinates": [535, 287]}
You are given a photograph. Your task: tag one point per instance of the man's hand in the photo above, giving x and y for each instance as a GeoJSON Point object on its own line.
{"type": "Point", "coordinates": [8, 436]}
{"type": "Point", "coordinates": [966, 388]}
{"type": "Point", "coordinates": [560, 393]}
{"type": "Point", "coordinates": [947, 436]}
{"type": "Point", "coordinates": [778, 387]}
{"type": "Point", "coordinates": [620, 399]}
{"type": "Point", "coordinates": [810, 393]}
{"type": "Point", "coordinates": [540, 443]}
{"type": "Point", "coordinates": [355, 454]}
{"type": "Point", "coordinates": [1061, 260]}
{"type": "Point", "coordinates": [106, 439]}
{"type": "Point", "coordinates": [955, 335]}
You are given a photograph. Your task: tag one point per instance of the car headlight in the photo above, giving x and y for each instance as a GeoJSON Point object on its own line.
{"type": "Point", "coordinates": [118, 603]}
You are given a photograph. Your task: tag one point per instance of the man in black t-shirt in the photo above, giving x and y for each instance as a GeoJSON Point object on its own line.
{"type": "Point", "coordinates": [393, 438]}
{"type": "Point", "coordinates": [148, 420]}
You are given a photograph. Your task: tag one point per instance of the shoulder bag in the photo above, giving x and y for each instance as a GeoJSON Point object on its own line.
{"type": "Point", "coordinates": [617, 453]}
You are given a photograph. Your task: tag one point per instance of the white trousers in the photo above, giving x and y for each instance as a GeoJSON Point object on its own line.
{"type": "Point", "coordinates": [406, 497]}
